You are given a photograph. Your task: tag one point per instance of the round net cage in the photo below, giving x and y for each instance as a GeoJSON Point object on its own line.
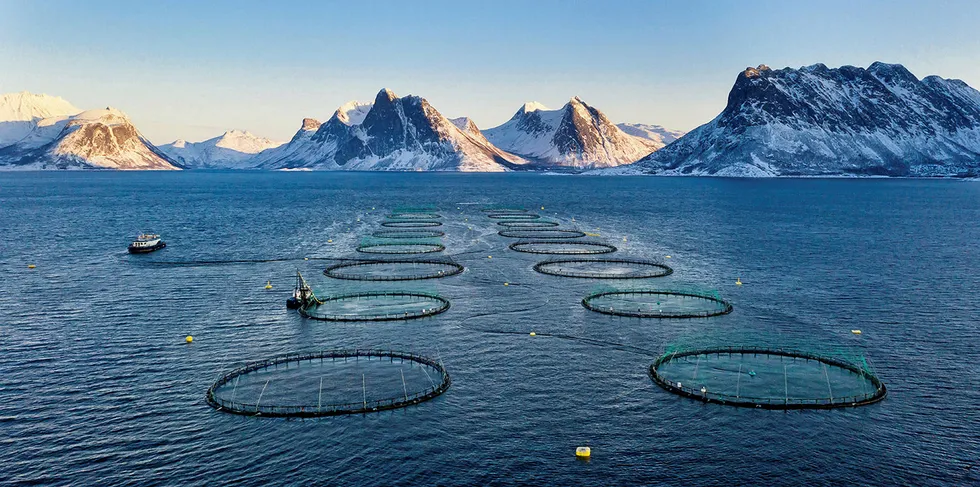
{"type": "Point", "coordinates": [329, 383]}
{"type": "Point", "coordinates": [562, 247]}
{"type": "Point", "coordinates": [411, 224]}
{"type": "Point", "coordinates": [504, 209]}
{"type": "Point", "coordinates": [400, 270]}
{"type": "Point", "coordinates": [376, 306]}
{"type": "Point", "coordinates": [657, 303]}
{"type": "Point", "coordinates": [408, 234]}
{"type": "Point", "coordinates": [528, 224]}
{"type": "Point", "coordinates": [400, 247]}
{"type": "Point", "coordinates": [604, 268]}
{"type": "Point", "coordinates": [414, 216]}
{"type": "Point", "coordinates": [554, 233]}
{"type": "Point", "coordinates": [766, 378]}
{"type": "Point", "coordinates": [513, 216]}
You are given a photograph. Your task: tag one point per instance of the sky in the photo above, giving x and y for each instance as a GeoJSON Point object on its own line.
{"type": "Point", "coordinates": [192, 70]}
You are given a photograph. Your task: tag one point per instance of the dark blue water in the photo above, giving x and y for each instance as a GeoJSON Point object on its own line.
{"type": "Point", "coordinates": [97, 386]}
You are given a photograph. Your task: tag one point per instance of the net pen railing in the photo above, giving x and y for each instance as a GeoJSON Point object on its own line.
{"type": "Point", "coordinates": [772, 402]}
{"type": "Point", "coordinates": [333, 409]}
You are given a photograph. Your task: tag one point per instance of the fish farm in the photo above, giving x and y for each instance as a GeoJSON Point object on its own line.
{"type": "Point", "coordinates": [357, 382]}
{"type": "Point", "coordinates": [376, 306]}
{"type": "Point", "coordinates": [657, 303]}
{"type": "Point", "coordinates": [562, 248]}
{"type": "Point", "coordinates": [394, 270]}
{"type": "Point", "coordinates": [541, 233]}
{"type": "Point", "coordinates": [604, 268]}
{"type": "Point", "coordinates": [766, 378]}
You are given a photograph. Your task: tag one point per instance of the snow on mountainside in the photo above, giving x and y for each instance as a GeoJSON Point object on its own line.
{"type": "Point", "coordinates": [577, 135]}
{"type": "Point", "coordinates": [817, 121]}
{"type": "Point", "coordinates": [90, 139]}
{"type": "Point", "coordinates": [657, 133]}
{"type": "Point", "coordinates": [20, 113]}
{"type": "Point", "coordinates": [400, 134]}
{"type": "Point", "coordinates": [234, 149]}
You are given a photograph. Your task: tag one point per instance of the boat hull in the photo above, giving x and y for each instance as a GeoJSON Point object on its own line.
{"type": "Point", "coordinates": [146, 250]}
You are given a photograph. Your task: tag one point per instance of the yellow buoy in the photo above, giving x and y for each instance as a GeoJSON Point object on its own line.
{"type": "Point", "coordinates": [329, 240]}
{"type": "Point", "coordinates": [31, 266]}
{"type": "Point", "coordinates": [306, 258]}
{"type": "Point", "coordinates": [489, 256]}
{"type": "Point", "coordinates": [268, 284]}
{"type": "Point", "coordinates": [668, 256]}
{"type": "Point", "coordinates": [583, 452]}
{"type": "Point", "coordinates": [189, 339]}
{"type": "Point", "coordinates": [738, 281]}
{"type": "Point", "coordinates": [532, 334]}
{"type": "Point", "coordinates": [624, 239]}
{"type": "Point", "coordinates": [506, 284]}
{"type": "Point", "coordinates": [856, 332]}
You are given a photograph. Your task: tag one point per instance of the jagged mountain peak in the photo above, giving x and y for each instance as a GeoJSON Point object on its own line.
{"type": "Point", "coordinates": [531, 106]}
{"type": "Point", "coordinates": [353, 112]}
{"type": "Point", "coordinates": [309, 125]}
{"type": "Point", "coordinates": [576, 135]}
{"type": "Point", "coordinates": [393, 133]}
{"type": "Point", "coordinates": [814, 120]}
{"type": "Point", "coordinates": [385, 95]}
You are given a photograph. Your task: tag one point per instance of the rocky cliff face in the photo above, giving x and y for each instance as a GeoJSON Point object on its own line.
{"type": "Point", "coordinates": [391, 133]}
{"type": "Point", "coordinates": [91, 139]}
{"type": "Point", "coordinates": [818, 121]}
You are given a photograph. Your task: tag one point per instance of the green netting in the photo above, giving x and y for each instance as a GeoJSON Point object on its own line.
{"type": "Point", "coordinates": [768, 378]}
{"type": "Point", "coordinates": [604, 268]}
{"type": "Point", "coordinates": [376, 306]}
{"type": "Point", "coordinates": [370, 245]}
{"type": "Point", "coordinates": [562, 247]}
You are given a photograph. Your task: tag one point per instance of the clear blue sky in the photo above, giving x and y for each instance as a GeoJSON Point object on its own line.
{"type": "Point", "coordinates": [194, 69]}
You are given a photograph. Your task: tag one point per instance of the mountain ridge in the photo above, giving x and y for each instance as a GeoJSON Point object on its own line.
{"type": "Point", "coordinates": [820, 121]}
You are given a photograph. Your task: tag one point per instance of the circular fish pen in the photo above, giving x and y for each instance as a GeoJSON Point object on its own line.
{"type": "Point", "coordinates": [513, 216]}
{"type": "Point", "coordinates": [414, 234]}
{"type": "Point", "coordinates": [599, 268]}
{"type": "Point", "coordinates": [562, 248]}
{"type": "Point", "coordinates": [528, 224]}
{"type": "Point", "coordinates": [328, 383]}
{"type": "Point", "coordinates": [553, 233]}
{"type": "Point", "coordinates": [414, 216]}
{"type": "Point", "coordinates": [411, 224]}
{"type": "Point", "coordinates": [401, 270]}
{"type": "Point", "coordinates": [660, 303]}
{"type": "Point", "coordinates": [767, 378]}
{"type": "Point", "coordinates": [400, 248]}
{"type": "Point", "coordinates": [376, 306]}
{"type": "Point", "coordinates": [504, 209]}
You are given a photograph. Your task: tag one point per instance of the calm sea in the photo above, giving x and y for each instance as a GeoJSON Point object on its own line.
{"type": "Point", "coordinates": [97, 386]}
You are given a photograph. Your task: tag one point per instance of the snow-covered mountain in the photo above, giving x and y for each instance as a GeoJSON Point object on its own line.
{"type": "Point", "coordinates": [577, 135]}
{"type": "Point", "coordinates": [234, 149]}
{"type": "Point", "coordinates": [90, 139]}
{"type": "Point", "coordinates": [817, 121]}
{"type": "Point", "coordinates": [20, 113]}
{"type": "Point", "coordinates": [657, 133]}
{"type": "Point", "coordinates": [402, 134]}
